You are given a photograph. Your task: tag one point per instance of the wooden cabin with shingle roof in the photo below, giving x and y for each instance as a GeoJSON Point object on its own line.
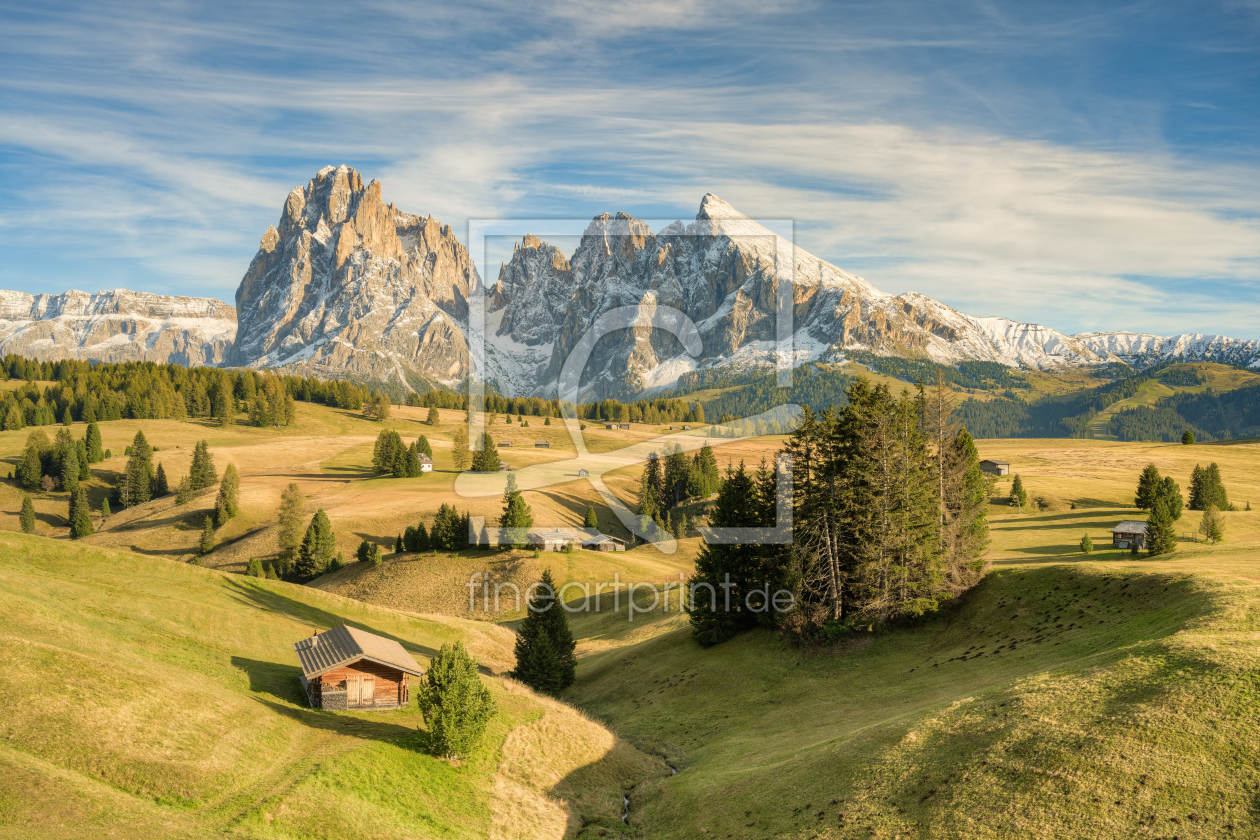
{"type": "Point", "coordinates": [350, 669]}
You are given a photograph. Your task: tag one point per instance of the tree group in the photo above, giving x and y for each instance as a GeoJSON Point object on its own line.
{"type": "Point", "coordinates": [391, 456]}
{"type": "Point", "coordinates": [1206, 489]}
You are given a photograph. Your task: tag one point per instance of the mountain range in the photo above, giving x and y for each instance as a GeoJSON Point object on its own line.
{"type": "Point", "coordinates": [345, 285]}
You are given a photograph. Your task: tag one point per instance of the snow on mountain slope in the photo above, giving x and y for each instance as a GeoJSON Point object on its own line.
{"type": "Point", "coordinates": [117, 326]}
{"type": "Point", "coordinates": [1144, 348]}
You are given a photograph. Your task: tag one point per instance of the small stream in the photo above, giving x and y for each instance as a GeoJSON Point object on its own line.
{"type": "Point", "coordinates": [625, 797]}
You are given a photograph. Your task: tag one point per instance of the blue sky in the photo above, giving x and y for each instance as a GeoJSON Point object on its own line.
{"type": "Point", "coordinates": [1087, 166]}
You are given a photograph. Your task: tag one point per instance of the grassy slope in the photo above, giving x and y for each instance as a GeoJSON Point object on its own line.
{"type": "Point", "coordinates": [1099, 700]}
{"type": "Point", "coordinates": [162, 700]}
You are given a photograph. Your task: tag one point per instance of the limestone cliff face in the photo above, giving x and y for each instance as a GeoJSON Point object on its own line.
{"type": "Point", "coordinates": [348, 286]}
{"type": "Point", "coordinates": [117, 326]}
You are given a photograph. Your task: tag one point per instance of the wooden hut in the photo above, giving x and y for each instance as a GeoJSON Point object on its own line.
{"type": "Point", "coordinates": [505, 443]}
{"type": "Point", "coordinates": [426, 463]}
{"type": "Point", "coordinates": [556, 539]}
{"type": "Point", "coordinates": [346, 668]}
{"type": "Point", "coordinates": [604, 542]}
{"type": "Point", "coordinates": [542, 444]}
{"type": "Point", "coordinates": [1128, 532]}
{"type": "Point", "coordinates": [995, 467]}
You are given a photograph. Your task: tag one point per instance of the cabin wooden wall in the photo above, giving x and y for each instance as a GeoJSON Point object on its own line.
{"type": "Point", "coordinates": [392, 688]}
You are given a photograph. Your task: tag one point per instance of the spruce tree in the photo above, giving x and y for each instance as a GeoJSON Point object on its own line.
{"type": "Point", "coordinates": [93, 442]}
{"type": "Point", "coordinates": [459, 448]}
{"type": "Point", "coordinates": [487, 460]}
{"type": "Point", "coordinates": [105, 511]}
{"type": "Point", "coordinates": [1148, 489]}
{"type": "Point", "coordinates": [1187, 439]}
{"type": "Point", "coordinates": [160, 485]}
{"type": "Point", "coordinates": [424, 446]}
{"type": "Point", "coordinates": [183, 494]}
{"type": "Point", "coordinates": [456, 705]}
{"type": "Point", "coordinates": [70, 470]}
{"type": "Point", "coordinates": [85, 467]}
{"type": "Point", "coordinates": [1170, 495]}
{"type": "Point", "coordinates": [1160, 537]}
{"type": "Point", "coordinates": [1019, 496]}
{"type": "Point", "coordinates": [398, 545]}
{"type": "Point", "coordinates": [67, 419]}
{"type": "Point", "coordinates": [317, 549]}
{"type": "Point", "coordinates": [681, 526]}
{"type": "Point", "coordinates": [517, 516]}
{"type": "Point", "coordinates": [1198, 500]}
{"type": "Point", "coordinates": [31, 470]}
{"type": "Point", "coordinates": [255, 568]}
{"type": "Point", "coordinates": [545, 657]}
{"type": "Point", "coordinates": [726, 573]}
{"type": "Point", "coordinates": [1087, 545]}
{"type": "Point", "coordinates": [434, 417]}
{"type": "Point", "coordinates": [227, 504]}
{"type": "Point", "coordinates": [202, 473]}
{"type": "Point", "coordinates": [137, 482]}
{"type": "Point", "coordinates": [28, 514]}
{"type": "Point", "coordinates": [80, 515]}
{"type": "Point", "coordinates": [1212, 525]}
{"type": "Point", "coordinates": [291, 514]}
{"type": "Point", "coordinates": [207, 536]}
{"type": "Point", "coordinates": [1214, 489]}
{"type": "Point", "coordinates": [592, 519]}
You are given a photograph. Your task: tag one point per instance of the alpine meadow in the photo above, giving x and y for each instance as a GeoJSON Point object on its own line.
{"type": "Point", "coordinates": [698, 421]}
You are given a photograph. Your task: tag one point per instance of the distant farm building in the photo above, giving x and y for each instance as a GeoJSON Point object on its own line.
{"type": "Point", "coordinates": [505, 443]}
{"type": "Point", "coordinates": [426, 463]}
{"type": "Point", "coordinates": [686, 428]}
{"type": "Point", "coordinates": [542, 444]}
{"type": "Point", "coordinates": [584, 473]}
{"type": "Point", "coordinates": [556, 539]}
{"type": "Point", "coordinates": [1128, 532]}
{"type": "Point", "coordinates": [505, 467]}
{"type": "Point", "coordinates": [604, 542]}
{"type": "Point", "coordinates": [347, 668]}
{"type": "Point", "coordinates": [995, 467]}
{"type": "Point", "coordinates": [610, 425]}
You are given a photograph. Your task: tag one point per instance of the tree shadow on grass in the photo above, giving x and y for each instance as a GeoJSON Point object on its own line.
{"type": "Point", "coordinates": [257, 593]}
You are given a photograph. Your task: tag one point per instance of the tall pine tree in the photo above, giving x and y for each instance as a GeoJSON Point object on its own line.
{"type": "Point", "coordinates": [545, 649]}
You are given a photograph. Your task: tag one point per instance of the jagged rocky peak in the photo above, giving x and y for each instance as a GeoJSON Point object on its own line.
{"type": "Point", "coordinates": [346, 284]}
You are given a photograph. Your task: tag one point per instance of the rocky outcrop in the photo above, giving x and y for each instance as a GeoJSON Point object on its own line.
{"type": "Point", "coordinates": [117, 326]}
{"type": "Point", "coordinates": [348, 286]}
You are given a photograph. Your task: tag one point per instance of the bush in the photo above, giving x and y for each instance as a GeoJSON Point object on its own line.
{"type": "Point", "coordinates": [456, 705]}
{"type": "Point", "coordinates": [1087, 545]}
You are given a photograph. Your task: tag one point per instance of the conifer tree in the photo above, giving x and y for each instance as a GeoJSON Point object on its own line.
{"type": "Point", "coordinates": [105, 511]}
{"type": "Point", "coordinates": [1198, 499]}
{"type": "Point", "coordinates": [206, 544]}
{"type": "Point", "coordinates": [80, 515]}
{"type": "Point", "coordinates": [317, 549]}
{"type": "Point", "coordinates": [1087, 545]}
{"type": "Point", "coordinates": [93, 442]}
{"type": "Point", "coordinates": [183, 495]}
{"type": "Point", "coordinates": [160, 485]}
{"type": "Point", "coordinates": [545, 658]}
{"type": "Point", "coordinates": [255, 568]}
{"type": "Point", "coordinates": [291, 513]}
{"type": "Point", "coordinates": [1170, 495]}
{"type": "Point", "coordinates": [66, 418]}
{"type": "Point", "coordinates": [1019, 496]}
{"type": "Point", "coordinates": [517, 516]}
{"type": "Point", "coordinates": [592, 518]}
{"type": "Point", "coordinates": [456, 705]}
{"type": "Point", "coordinates": [85, 468]}
{"type": "Point", "coordinates": [1187, 439]}
{"type": "Point", "coordinates": [434, 417]}
{"type": "Point", "coordinates": [31, 470]}
{"type": "Point", "coordinates": [487, 460]}
{"type": "Point", "coordinates": [1148, 489]}
{"type": "Point", "coordinates": [70, 470]}
{"type": "Point", "coordinates": [228, 501]}
{"type": "Point", "coordinates": [681, 526]}
{"type": "Point", "coordinates": [1212, 525]}
{"type": "Point", "coordinates": [202, 473]}
{"type": "Point", "coordinates": [137, 483]}
{"type": "Point", "coordinates": [424, 446]}
{"type": "Point", "coordinates": [27, 518]}
{"type": "Point", "coordinates": [1214, 490]}
{"type": "Point", "coordinates": [1160, 537]}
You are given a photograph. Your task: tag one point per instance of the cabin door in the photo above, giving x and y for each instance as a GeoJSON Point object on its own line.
{"type": "Point", "coordinates": [367, 692]}
{"type": "Point", "coordinates": [352, 691]}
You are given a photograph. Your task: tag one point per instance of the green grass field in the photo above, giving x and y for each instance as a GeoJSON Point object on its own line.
{"type": "Point", "coordinates": [1068, 696]}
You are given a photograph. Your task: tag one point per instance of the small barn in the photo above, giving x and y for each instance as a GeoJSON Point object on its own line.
{"type": "Point", "coordinates": [995, 467]}
{"type": "Point", "coordinates": [584, 473]}
{"type": "Point", "coordinates": [542, 444]}
{"type": "Point", "coordinates": [604, 542]}
{"type": "Point", "coordinates": [556, 539]}
{"type": "Point", "coordinates": [346, 668]}
{"type": "Point", "coordinates": [505, 443]}
{"type": "Point", "coordinates": [625, 426]}
{"type": "Point", "coordinates": [686, 428]}
{"type": "Point", "coordinates": [1128, 532]}
{"type": "Point", "coordinates": [505, 467]}
{"type": "Point", "coordinates": [426, 463]}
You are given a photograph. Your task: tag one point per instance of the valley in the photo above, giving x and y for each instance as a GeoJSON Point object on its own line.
{"type": "Point", "coordinates": [1068, 695]}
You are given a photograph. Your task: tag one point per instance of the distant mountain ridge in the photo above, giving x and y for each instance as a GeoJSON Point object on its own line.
{"type": "Point", "coordinates": [117, 326]}
{"type": "Point", "coordinates": [346, 286]}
